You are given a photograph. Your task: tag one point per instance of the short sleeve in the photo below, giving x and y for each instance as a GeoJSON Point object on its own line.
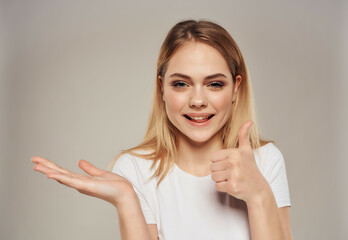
{"type": "Point", "coordinates": [125, 166]}
{"type": "Point", "coordinates": [275, 173]}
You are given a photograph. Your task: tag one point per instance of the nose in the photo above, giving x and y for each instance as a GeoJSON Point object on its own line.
{"type": "Point", "coordinates": [198, 98]}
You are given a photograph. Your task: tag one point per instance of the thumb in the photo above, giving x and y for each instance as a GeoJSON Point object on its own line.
{"type": "Point", "coordinates": [243, 135]}
{"type": "Point", "coordinates": [89, 168]}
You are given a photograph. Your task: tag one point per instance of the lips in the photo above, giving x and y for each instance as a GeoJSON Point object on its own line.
{"type": "Point", "coordinates": [199, 118]}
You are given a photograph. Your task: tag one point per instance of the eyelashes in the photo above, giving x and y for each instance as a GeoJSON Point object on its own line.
{"type": "Point", "coordinates": [179, 84]}
{"type": "Point", "coordinates": [215, 85]}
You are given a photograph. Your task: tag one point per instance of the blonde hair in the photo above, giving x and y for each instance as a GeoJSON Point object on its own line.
{"type": "Point", "coordinates": [160, 138]}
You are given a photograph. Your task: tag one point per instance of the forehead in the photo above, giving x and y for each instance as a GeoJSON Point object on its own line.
{"type": "Point", "coordinates": [197, 59]}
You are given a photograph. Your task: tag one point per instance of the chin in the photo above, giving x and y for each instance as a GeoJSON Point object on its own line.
{"type": "Point", "coordinates": [198, 139]}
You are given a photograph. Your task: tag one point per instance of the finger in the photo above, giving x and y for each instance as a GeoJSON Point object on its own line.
{"type": "Point", "coordinates": [46, 170]}
{"type": "Point", "coordinates": [43, 168]}
{"type": "Point", "coordinates": [243, 135]}
{"type": "Point", "coordinates": [220, 155]}
{"type": "Point", "coordinates": [41, 160]}
{"type": "Point", "coordinates": [89, 168]}
{"type": "Point", "coordinates": [220, 176]}
{"type": "Point", "coordinates": [79, 182]}
{"type": "Point", "coordinates": [219, 166]}
{"type": "Point", "coordinates": [221, 186]}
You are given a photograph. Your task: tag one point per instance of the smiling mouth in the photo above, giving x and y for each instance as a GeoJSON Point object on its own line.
{"type": "Point", "coordinates": [199, 119]}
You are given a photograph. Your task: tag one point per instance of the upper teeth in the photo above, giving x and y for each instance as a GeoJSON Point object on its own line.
{"type": "Point", "coordinates": [199, 118]}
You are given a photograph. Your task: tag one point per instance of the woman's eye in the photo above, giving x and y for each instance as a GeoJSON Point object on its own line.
{"type": "Point", "coordinates": [179, 84]}
{"type": "Point", "coordinates": [216, 85]}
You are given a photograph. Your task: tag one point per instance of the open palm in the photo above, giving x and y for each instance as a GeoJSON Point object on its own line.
{"type": "Point", "coordinates": [98, 183]}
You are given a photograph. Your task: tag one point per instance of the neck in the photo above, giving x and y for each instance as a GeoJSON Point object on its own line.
{"type": "Point", "coordinates": [194, 157]}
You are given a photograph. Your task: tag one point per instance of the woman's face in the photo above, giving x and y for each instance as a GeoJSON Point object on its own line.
{"type": "Point", "coordinates": [198, 91]}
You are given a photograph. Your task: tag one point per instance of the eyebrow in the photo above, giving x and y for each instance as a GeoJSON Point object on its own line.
{"type": "Point", "coordinates": [206, 78]}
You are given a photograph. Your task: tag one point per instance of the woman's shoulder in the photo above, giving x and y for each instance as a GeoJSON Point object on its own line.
{"type": "Point", "coordinates": [269, 149]}
{"type": "Point", "coordinates": [132, 161]}
{"type": "Point", "coordinates": [268, 156]}
{"type": "Point", "coordinates": [137, 156]}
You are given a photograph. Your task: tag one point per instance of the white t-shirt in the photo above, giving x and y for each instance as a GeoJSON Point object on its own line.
{"type": "Point", "coordinates": [189, 207]}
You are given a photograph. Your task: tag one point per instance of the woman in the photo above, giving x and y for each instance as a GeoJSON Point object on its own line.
{"type": "Point", "coordinates": [202, 171]}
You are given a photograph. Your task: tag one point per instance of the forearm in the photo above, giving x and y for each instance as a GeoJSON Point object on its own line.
{"type": "Point", "coordinates": [132, 222]}
{"type": "Point", "coordinates": [264, 219]}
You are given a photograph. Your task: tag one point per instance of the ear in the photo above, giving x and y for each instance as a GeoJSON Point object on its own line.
{"type": "Point", "coordinates": [239, 79]}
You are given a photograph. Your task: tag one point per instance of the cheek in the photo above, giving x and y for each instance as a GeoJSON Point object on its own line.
{"type": "Point", "coordinates": [222, 101]}
{"type": "Point", "coordinates": [174, 102]}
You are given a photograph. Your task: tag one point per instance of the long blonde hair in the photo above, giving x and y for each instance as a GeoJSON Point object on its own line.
{"type": "Point", "coordinates": [160, 138]}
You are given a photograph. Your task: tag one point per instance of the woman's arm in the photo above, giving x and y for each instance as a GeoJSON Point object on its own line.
{"type": "Point", "coordinates": [235, 171]}
{"type": "Point", "coordinates": [132, 222]}
{"type": "Point", "coordinates": [284, 213]}
{"type": "Point", "coordinates": [104, 185]}
{"type": "Point", "coordinates": [153, 231]}
{"type": "Point", "coordinates": [265, 219]}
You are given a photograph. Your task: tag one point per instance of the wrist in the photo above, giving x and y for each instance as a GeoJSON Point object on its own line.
{"type": "Point", "coordinates": [262, 198]}
{"type": "Point", "coordinates": [129, 198]}
{"type": "Point", "coordinates": [129, 206]}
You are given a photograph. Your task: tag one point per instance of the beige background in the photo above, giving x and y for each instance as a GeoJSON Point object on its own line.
{"type": "Point", "coordinates": [77, 80]}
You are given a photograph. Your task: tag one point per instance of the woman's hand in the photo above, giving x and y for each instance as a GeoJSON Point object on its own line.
{"type": "Point", "coordinates": [99, 183]}
{"type": "Point", "coordinates": [235, 171]}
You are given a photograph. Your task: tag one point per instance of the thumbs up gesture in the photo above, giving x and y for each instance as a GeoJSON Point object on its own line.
{"type": "Point", "coordinates": [235, 171]}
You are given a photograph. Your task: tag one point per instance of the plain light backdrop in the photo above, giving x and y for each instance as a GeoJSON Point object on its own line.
{"type": "Point", "coordinates": [76, 82]}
